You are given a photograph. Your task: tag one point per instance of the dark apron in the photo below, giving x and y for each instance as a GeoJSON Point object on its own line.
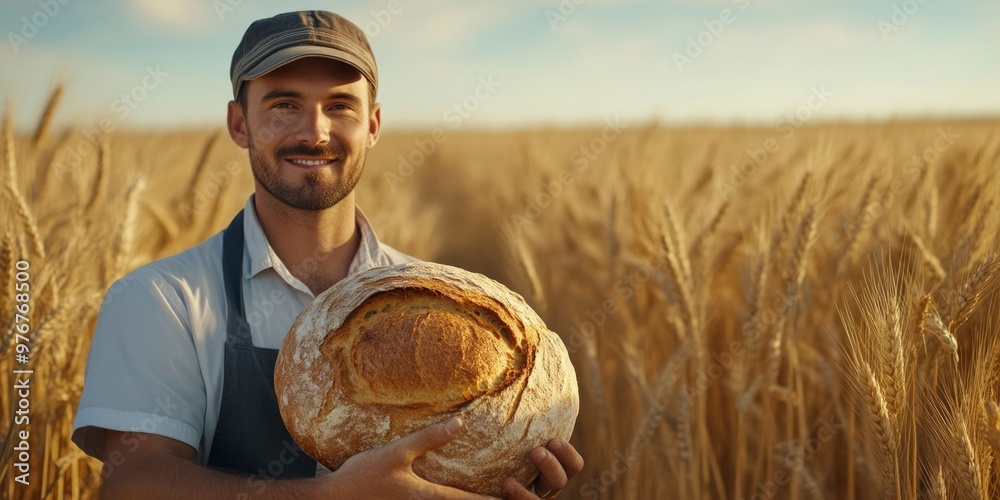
{"type": "Point", "coordinates": [250, 437]}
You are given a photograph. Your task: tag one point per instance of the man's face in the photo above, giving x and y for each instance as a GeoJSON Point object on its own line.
{"type": "Point", "coordinates": [308, 126]}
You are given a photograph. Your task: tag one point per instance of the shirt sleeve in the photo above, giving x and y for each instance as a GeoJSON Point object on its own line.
{"type": "Point", "coordinates": [142, 372]}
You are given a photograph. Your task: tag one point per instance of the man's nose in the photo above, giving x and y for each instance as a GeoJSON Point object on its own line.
{"type": "Point", "coordinates": [315, 127]}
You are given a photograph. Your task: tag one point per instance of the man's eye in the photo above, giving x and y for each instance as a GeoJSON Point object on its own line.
{"type": "Point", "coordinates": [284, 105]}
{"type": "Point", "coordinates": [341, 106]}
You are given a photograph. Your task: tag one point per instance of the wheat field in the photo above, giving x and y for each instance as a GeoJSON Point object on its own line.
{"type": "Point", "coordinates": [752, 312]}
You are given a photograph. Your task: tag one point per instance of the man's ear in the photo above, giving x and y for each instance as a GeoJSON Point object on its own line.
{"type": "Point", "coordinates": [237, 124]}
{"type": "Point", "coordinates": [374, 124]}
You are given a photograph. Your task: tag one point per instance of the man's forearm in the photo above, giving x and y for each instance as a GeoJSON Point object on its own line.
{"type": "Point", "coordinates": [171, 477]}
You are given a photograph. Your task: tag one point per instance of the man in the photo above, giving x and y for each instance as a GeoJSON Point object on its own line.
{"type": "Point", "coordinates": [179, 395]}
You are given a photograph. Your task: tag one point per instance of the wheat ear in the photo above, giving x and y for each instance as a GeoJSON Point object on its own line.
{"type": "Point", "coordinates": [24, 213]}
{"type": "Point", "coordinates": [974, 290]}
{"type": "Point", "coordinates": [883, 428]}
{"type": "Point", "coordinates": [45, 122]}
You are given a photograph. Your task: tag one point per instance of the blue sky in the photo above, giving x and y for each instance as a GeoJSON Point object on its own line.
{"type": "Point", "coordinates": [557, 62]}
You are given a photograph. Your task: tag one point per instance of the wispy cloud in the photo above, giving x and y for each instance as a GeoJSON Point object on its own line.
{"type": "Point", "coordinates": [183, 15]}
{"type": "Point", "coordinates": [445, 24]}
{"type": "Point", "coordinates": [785, 41]}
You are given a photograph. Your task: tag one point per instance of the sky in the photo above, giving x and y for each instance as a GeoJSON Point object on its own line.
{"type": "Point", "coordinates": [165, 63]}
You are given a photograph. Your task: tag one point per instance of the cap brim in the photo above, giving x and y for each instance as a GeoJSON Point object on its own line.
{"type": "Point", "coordinates": [289, 54]}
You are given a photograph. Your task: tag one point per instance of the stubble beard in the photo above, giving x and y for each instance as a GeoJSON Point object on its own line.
{"type": "Point", "coordinates": [315, 192]}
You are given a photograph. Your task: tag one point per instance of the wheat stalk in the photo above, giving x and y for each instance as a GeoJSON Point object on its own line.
{"type": "Point", "coordinates": [993, 425]}
{"type": "Point", "coordinates": [805, 236]}
{"type": "Point", "coordinates": [966, 212]}
{"type": "Point", "coordinates": [892, 363]}
{"type": "Point", "coordinates": [937, 329]}
{"type": "Point", "coordinates": [884, 430]}
{"type": "Point", "coordinates": [677, 236]}
{"type": "Point", "coordinates": [710, 230]}
{"type": "Point", "coordinates": [200, 170]}
{"type": "Point", "coordinates": [967, 465]}
{"type": "Point", "coordinates": [861, 223]}
{"type": "Point", "coordinates": [939, 489]}
{"type": "Point", "coordinates": [7, 270]}
{"type": "Point", "coordinates": [20, 205]}
{"type": "Point", "coordinates": [979, 229]}
{"type": "Point", "coordinates": [974, 290]}
{"type": "Point", "coordinates": [41, 131]}
{"type": "Point", "coordinates": [162, 217]}
{"type": "Point", "coordinates": [124, 248]}
{"type": "Point", "coordinates": [101, 180]}
{"type": "Point", "coordinates": [677, 276]}
{"type": "Point", "coordinates": [665, 381]}
{"type": "Point", "coordinates": [931, 209]}
{"type": "Point", "coordinates": [795, 204]}
{"type": "Point", "coordinates": [753, 326]}
{"type": "Point", "coordinates": [929, 259]}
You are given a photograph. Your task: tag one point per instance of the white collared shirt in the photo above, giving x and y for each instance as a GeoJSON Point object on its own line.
{"type": "Point", "coordinates": [156, 361]}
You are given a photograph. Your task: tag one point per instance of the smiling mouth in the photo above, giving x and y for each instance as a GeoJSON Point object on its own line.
{"type": "Point", "coordinates": [310, 162]}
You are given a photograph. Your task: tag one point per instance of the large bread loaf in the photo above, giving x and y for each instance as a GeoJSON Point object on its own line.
{"type": "Point", "coordinates": [389, 351]}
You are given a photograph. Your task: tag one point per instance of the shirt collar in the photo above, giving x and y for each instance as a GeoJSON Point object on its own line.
{"type": "Point", "coordinates": [261, 255]}
{"type": "Point", "coordinates": [370, 252]}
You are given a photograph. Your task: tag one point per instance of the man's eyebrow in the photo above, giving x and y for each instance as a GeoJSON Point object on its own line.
{"type": "Point", "coordinates": [344, 96]}
{"type": "Point", "coordinates": [280, 93]}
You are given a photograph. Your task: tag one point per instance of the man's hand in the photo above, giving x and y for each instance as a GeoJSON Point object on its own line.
{"type": "Point", "coordinates": [558, 461]}
{"type": "Point", "coordinates": [386, 472]}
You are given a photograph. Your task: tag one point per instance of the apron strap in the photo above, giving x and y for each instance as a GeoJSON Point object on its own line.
{"type": "Point", "coordinates": [237, 328]}
{"type": "Point", "coordinates": [250, 436]}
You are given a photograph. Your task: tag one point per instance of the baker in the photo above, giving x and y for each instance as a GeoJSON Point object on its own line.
{"type": "Point", "coordinates": [178, 400]}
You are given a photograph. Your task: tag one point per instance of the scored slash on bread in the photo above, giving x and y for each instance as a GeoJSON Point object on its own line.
{"type": "Point", "coordinates": [389, 351]}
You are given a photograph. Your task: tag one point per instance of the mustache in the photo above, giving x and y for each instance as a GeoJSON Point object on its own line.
{"type": "Point", "coordinates": [336, 153]}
